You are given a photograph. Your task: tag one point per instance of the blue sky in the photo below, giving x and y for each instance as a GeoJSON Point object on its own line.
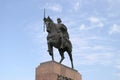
{"type": "Point", "coordinates": [93, 26]}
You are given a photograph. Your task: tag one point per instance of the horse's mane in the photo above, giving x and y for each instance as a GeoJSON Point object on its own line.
{"type": "Point", "coordinates": [50, 20]}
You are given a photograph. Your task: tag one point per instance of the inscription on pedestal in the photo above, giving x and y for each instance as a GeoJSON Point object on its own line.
{"type": "Point", "coordinates": [60, 77]}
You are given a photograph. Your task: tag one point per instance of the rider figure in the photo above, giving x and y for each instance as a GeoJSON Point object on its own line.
{"type": "Point", "coordinates": [62, 30]}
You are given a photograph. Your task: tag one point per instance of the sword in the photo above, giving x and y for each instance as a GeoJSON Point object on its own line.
{"type": "Point", "coordinates": [44, 22]}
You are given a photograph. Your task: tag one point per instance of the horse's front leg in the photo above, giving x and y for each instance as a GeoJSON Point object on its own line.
{"type": "Point", "coordinates": [52, 53]}
{"type": "Point", "coordinates": [71, 59]}
{"type": "Point", "coordinates": [62, 55]}
{"type": "Point", "coordinates": [50, 50]}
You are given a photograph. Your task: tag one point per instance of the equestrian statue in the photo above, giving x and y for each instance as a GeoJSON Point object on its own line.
{"type": "Point", "coordinates": [58, 37]}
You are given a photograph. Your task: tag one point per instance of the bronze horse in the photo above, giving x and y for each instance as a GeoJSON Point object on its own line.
{"type": "Point", "coordinates": [53, 40]}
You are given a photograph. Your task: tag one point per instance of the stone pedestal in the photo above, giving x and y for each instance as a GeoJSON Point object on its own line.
{"type": "Point", "coordinates": [54, 71]}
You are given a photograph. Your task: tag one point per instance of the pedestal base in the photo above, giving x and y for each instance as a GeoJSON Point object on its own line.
{"type": "Point", "coordinates": [54, 71]}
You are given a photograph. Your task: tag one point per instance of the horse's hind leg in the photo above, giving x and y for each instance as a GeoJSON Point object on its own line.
{"type": "Point", "coordinates": [52, 53]}
{"type": "Point", "coordinates": [71, 59]}
{"type": "Point", "coordinates": [62, 55]}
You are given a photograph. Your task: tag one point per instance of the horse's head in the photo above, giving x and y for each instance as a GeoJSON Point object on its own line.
{"type": "Point", "coordinates": [49, 23]}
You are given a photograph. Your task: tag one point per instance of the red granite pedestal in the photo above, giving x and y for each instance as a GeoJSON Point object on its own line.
{"type": "Point", "coordinates": [52, 70]}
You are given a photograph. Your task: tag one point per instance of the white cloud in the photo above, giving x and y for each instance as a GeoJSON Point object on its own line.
{"type": "Point", "coordinates": [99, 47]}
{"type": "Point", "coordinates": [96, 48]}
{"type": "Point", "coordinates": [81, 46]}
{"type": "Point", "coordinates": [117, 61]}
{"type": "Point", "coordinates": [54, 7]}
{"type": "Point", "coordinates": [83, 27]}
{"type": "Point", "coordinates": [94, 38]}
{"type": "Point", "coordinates": [114, 29]}
{"type": "Point", "coordinates": [117, 66]}
{"type": "Point", "coordinates": [95, 21]}
{"type": "Point", "coordinates": [78, 42]}
{"type": "Point", "coordinates": [94, 58]}
{"type": "Point", "coordinates": [77, 6]}
{"type": "Point", "coordinates": [100, 24]}
{"type": "Point", "coordinates": [117, 74]}
{"type": "Point", "coordinates": [113, 8]}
